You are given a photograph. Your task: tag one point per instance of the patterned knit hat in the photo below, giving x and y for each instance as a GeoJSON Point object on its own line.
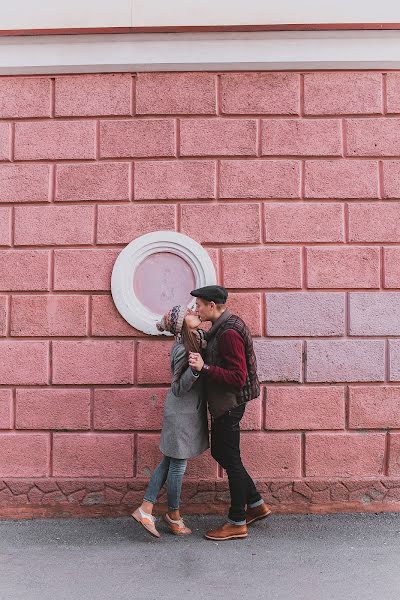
{"type": "Point", "coordinates": [172, 321]}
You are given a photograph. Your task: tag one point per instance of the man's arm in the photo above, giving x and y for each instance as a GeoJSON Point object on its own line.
{"type": "Point", "coordinates": [234, 369]}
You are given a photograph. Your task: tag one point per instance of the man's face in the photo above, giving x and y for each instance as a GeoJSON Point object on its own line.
{"type": "Point", "coordinates": [204, 309]}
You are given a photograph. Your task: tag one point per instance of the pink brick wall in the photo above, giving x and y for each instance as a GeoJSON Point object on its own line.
{"type": "Point", "coordinates": [292, 183]}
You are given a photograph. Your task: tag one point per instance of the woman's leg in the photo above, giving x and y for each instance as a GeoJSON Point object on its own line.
{"type": "Point", "coordinates": [177, 468]}
{"type": "Point", "coordinates": [156, 482]}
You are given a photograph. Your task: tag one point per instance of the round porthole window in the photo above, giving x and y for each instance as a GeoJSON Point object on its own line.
{"type": "Point", "coordinates": [155, 272]}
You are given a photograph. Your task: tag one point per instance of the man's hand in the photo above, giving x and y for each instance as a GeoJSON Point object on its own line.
{"type": "Point", "coordinates": [195, 361]}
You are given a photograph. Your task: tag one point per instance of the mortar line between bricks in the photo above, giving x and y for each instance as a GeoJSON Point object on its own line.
{"type": "Point", "coordinates": [384, 93]}
{"type": "Point", "coordinates": [343, 129]}
{"type": "Point", "coordinates": [304, 268]}
{"type": "Point", "coordinates": [346, 407]}
{"type": "Point", "coordinates": [177, 132]}
{"type": "Point", "coordinates": [303, 454]}
{"type": "Point", "coordinates": [14, 409]}
{"type": "Point", "coordinates": [132, 98]}
{"type": "Point", "coordinates": [264, 400]}
{"type": "Point", "coordinates": [12, 141]}
{"type": "Point", "coordinates": [135, 357]}
{"type": "Point", "coordinates": [264, 316]}
{"type": "Point", "coordinates": [203, 201]}
{"type": "Point", "coordinates": [381, 190]}
{"type": "Point", "coordinates": [386, 463]}
{"type": "Point", "coordinates": [51, 264]}
{"type": "Point", "coordinates": [346, 223]}
{"type": "Point", "coordinates": [218, 96]}
{"type": "Point", "coordinates": [217, 185]}
{"type": "Point", "coordinates": [50, 363]}
{"type": "Point", "coordinates": [95, 224]}
{"type": "Point", "coordinates": [89, 317]}
{"type": "Point", "coordinates": [12, 227]}
{"type": "Point", "coordinates": [91, 409]}
{"type": "Point", "coordinates": [131, 183]}
{"type": "Point", "coordinates": [51, 453]}
{"type": "Point", "coordinates": [387, 361]}
{"type": "Point", "coordinates": [220, 266]}
{"type": "Point", "coordinates": [302, 180]}
{"type": "Point", "coordinates": [178, 217]}
{"type": "Point", "coordinates": [8, 315]}
{"type": "Point", "coordinates": [52, 183]}
{"type": "Point", "coordinates": [304, 362]}
{"type": "Point", "coordinates": [52, 97]}
{"type": "Point", "coordinates": [97, 140]}
{"type": "Point", "coordinates": [381, 268]}
{"type": "Point", "coordinates": [258, 137]}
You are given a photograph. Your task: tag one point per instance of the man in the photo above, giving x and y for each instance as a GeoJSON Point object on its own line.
{"type": "Point", "coordinates": [230, 373]}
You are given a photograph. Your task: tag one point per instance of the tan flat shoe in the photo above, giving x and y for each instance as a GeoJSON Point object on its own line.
{"type": "Point", "coordinates": [176, 527]}
{"type": "Point", "coordinates": [147, 521]}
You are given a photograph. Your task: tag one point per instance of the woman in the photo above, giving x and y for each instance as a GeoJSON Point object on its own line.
{"type": "Point", "coordinates": [185, 429]}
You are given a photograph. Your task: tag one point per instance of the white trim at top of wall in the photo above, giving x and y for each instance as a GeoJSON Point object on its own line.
{"type": "Point", "coordinates": [200, 51]}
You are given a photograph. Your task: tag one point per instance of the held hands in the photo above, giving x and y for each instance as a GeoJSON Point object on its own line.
{"type": "Point", "coordinates": [195, 361]}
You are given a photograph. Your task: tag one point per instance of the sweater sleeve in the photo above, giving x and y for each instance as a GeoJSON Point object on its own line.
{"type": "Point", "coordinates": [233, 371]}
{"type": "Point", "coordinates": [181, 385]}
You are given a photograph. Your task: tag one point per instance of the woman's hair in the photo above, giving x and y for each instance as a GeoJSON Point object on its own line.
{"type": "Point", "coordinates": [191, 342]}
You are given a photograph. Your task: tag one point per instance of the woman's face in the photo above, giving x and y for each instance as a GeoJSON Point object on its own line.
{"type": "Point", "coordinates": [192, 320]}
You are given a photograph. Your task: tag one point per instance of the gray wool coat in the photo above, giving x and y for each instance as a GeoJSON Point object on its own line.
{"type": "Point", "coordinates": [185, 428]}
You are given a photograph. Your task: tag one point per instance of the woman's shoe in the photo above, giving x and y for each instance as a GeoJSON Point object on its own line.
{"type": "Point", "coordinates": [147, 521]}
{"type": "Point", "coordinates": [176, 527]}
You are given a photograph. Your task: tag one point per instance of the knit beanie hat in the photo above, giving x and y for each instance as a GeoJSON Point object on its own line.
{"type": "Point", "coordinates": [173, 319]}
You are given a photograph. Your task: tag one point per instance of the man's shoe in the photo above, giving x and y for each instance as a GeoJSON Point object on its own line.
{"type": "Point", "coordinates": [227, 531]}
{"type": "Point", "coordinates": [257, 513]}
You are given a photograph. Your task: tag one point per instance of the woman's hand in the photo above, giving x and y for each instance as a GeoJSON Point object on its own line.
{"type": "Point", "coordinates": [195, 361]}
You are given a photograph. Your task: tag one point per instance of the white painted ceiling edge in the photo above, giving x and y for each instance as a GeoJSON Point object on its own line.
{"type": "Point", "coordinates": [48, 14]}
{"type": "Point", "coordinates": [104, 53]}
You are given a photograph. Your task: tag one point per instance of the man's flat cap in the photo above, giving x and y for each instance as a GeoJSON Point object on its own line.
{"type": "Point", "coordinates": [212, 293]}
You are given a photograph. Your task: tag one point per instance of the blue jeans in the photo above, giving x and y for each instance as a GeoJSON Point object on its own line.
{"type": "Point", "coordinates": [171, 470]}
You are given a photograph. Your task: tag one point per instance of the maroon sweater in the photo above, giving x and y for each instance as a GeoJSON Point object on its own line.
{"type": "Point", "coordinates": [234, 369]}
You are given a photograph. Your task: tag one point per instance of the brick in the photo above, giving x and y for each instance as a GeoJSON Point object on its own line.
{"type": "Point", "coordinates": [141, 138]}
{"type": "Point", "coordinates": [175, 93]}
{"type": "Point", "coordinates": [252, 419]}
{"type": "Point", "coordinates": [394, 366]}
{"type": "Point", "coordinates": [391, 267]}
{"type": "Point", "coordinates": [52, 409]}
{"type": "Point", "coordinates": [24, 454]}
{"type": "Point", "coordinates": [5, 226]}
{"type": "Point", "coordinates": [248, 307]}
{"type": "Point", "coordinates": [106, 320]}
{"type": "Point", "coordinates": [100, 181]}
{"type": "Point", "coordinates": [3, 316]}
{"type": "Point", "coordinates": [222, 223]}
{"type": "Point", "coordinates": [149, 455]}
{"type": "Point", "coordinates": [24, 97]}
{"type": "Point", "coordinates": [342, 93]}
{"type": "Point", "coordinates": [305, 407]}
{"type": "Point", "coordinates": [262, 267]}
{"type": "Point", "coordinates": [23, 362]}
{"type": "Point", "coordinates": [279, 361]}
{"type": "Point", "coordinates": [345, 360]}
{"type": "Point", "coordinates": [355, 267]}
{"type": "Point", "coordinates": [272, 455]}
{"type": "Point", "coordinates": [58, 225]}
{"type": "Point", "coordinates": [146, 354]}
{"type": "Point", "coordinates": [259, 179]}
{"type": "Point", "coordinates": [305, 314]}
{"type": "Point", "coordinates": [375, 313]}
{"type": "Point", "coordinates": [22, 270]}
{"type": "Point", "coordinates": [218, 137]}
{"type": "Point", "coordinates": [48, 315]}
{"type": "Point", "coordinates": [90, 95]}
{"type": "Point", "coordinates": [373, 407]}
{"type": "Point", "coordinates": [5, 138]}
{"type": "Point", "coordinates": [304, 222]}
{"type": "Point", "coordinates": [54, 140]}
{"type": "Point", "coordinates": [300, 137]}
{"type": "Point", "coordinates": [393, 92]}
{"type": "Point", "coordinates": [92, 455]}
{"type": "Point", "coordinates": [345, 454]}
{"type": "Point", "coordinates": [93, 362]}
{"type": "Point", "coordinates": [174, 180]}
{"type": "Point", "coordinates": [24, 183]}
{"type": "Point", "coordinates": [373, 137]}
{"type": "Point", "coordinates": [83, 269]}
{"type": "Point", "coordinates": [268, 93]}
{"type": "Point", "coordinates": [131, 408]}
{"type": "Point", "coordinates": [394, 453]}
{"type": "Point", "coordinates": [6, 402]}
{"type": "Point", "coordinates": [341, 179]}
{"type": "Point", "coordinates": [122, 224]}
{"type": "Point", "coordinates": [372, 222]}
{"type": "Point", "coordinates": [391, 179]}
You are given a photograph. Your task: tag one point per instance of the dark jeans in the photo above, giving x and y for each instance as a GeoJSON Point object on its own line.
{"type": "Point", "coordinates": [225, 448]}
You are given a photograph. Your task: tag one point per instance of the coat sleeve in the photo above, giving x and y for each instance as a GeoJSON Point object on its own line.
{"type": "Point", "coordinates": [181, 385]}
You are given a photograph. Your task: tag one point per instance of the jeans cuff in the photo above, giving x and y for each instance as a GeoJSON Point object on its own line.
{"type": "Point", "coordinates": [258, 503]}
{"type": "Point", "coordinates": [237, 522]}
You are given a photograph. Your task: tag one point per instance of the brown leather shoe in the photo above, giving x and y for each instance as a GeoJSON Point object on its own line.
{"type": "Point", "coordinates": [227, 531]}
{"type": "Point", "coordinates": [258, 512]}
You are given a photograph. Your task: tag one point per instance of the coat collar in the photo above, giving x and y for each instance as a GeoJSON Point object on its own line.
{"type": "Point", "coordinates": [220, 321]}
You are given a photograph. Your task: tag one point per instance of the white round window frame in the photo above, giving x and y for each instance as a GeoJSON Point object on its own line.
{"type": "Point", "coordinates": [122, 290]}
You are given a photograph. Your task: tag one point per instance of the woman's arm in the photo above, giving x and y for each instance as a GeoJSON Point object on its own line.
{"type": "Point", "coordinates": [181, 384]}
